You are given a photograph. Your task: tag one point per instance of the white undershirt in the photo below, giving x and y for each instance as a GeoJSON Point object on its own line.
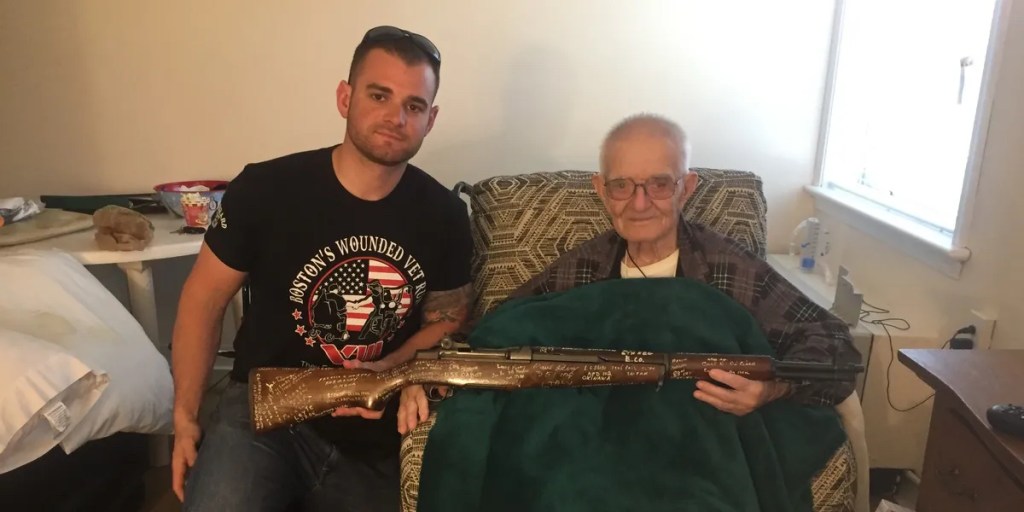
{"type": "Point", "coordinates": [664, 268]}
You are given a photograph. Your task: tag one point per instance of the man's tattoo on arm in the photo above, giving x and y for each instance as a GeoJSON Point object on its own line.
{"type": "Point", "coordinates": [447, 306]}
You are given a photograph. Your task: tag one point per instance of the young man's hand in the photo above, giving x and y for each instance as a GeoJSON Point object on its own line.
{"type": "Point", "coordinates": [363, 412]}
{"type": "Point", "coordinates": [186, 439]}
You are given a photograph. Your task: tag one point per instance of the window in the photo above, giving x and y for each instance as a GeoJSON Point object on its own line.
{"type": "Point", "coordinates": [906, 112]}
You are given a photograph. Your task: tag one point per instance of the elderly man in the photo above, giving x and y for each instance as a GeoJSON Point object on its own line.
{"type": "Point", "coordinates": [644, 183]}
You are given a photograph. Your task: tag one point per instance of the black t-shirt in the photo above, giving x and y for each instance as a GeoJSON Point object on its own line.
{"type": "Point", "coordinates": [334, 277]}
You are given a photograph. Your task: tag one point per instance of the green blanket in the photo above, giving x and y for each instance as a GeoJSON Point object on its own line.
{"type": "Point", "coordinates": [622, 447]}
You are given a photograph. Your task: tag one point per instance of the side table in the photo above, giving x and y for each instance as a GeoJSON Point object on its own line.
{"type": "Point", "coordinates": [967, 464]}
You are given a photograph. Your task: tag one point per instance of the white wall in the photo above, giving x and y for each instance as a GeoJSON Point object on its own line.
{"type": "Point", "coordinates": [118, 95]}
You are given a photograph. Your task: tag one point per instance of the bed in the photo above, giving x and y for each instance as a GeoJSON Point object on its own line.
{"type": "Point", "coordinates": [81, 389]}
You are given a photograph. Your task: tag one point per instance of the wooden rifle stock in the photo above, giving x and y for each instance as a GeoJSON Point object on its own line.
{"type": "Point", "coordinates": [284, 396]}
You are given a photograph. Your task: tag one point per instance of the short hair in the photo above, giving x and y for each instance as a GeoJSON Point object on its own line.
{"type": "Point", "coordinates": [403, 48]}
{"type": "Point", "coordinates": [648, 124]}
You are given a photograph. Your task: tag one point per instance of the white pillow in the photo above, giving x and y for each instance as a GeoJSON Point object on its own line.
{"type": "Point", "coordinates": [45, 392]}
{"type": "Point", "coordinates": [69, 307]}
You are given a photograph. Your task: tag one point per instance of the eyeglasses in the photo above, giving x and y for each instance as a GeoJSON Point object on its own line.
{"type": "Point", "coordinates": [656, 187]}
{"type": "Point", "coordinates": [387, 33]}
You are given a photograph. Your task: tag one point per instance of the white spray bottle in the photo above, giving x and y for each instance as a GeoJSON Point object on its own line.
{"type": "Point", "coordinates": [811, 242]}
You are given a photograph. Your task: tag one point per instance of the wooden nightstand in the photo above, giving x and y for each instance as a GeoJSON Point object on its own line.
{"type": "Point", "coordinates": [967, 465]}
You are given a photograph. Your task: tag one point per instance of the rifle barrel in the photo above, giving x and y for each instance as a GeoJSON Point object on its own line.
{"type": "Point", "coordinates": [806, 370]}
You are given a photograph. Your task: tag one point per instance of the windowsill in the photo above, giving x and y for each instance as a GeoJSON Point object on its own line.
{"type": "Point", "coordinates": [932, 248]}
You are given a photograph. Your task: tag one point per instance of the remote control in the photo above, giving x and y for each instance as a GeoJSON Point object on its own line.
{"type": "Point", "coordinates": [1007, 418]}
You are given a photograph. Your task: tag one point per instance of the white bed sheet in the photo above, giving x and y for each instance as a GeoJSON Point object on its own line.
{"type": "Point", "coordinates": [50, 296]}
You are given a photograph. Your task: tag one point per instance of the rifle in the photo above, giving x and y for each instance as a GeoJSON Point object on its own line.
{"type": "Point", "coordinates": [284, 396]}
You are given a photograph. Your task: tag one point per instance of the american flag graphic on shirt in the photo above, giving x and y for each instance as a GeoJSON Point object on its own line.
{"type": "Point", "coordinates": [354, 278]}
{"type": "Point", "coordinates": [357, 307]}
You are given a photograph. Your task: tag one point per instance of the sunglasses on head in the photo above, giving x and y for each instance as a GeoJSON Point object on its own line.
{"type": "Point", "coordinates": [388, 33]}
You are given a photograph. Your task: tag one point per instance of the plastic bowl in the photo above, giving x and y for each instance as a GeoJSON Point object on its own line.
{"type": "Point", "coordinates": [170, 193]}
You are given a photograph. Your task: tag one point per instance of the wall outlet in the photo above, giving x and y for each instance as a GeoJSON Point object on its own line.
{"type": "Point", "coordinates": [984, 327]}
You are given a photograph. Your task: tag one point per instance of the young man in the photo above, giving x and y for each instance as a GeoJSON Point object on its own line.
{"type": "Point", "coordinates": [355, 258]}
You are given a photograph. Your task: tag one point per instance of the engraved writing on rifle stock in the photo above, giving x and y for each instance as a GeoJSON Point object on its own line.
{"type": "Point", "coordinates": [283, 396]}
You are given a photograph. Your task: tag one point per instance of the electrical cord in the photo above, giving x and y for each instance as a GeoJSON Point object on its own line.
{"type": "Point", "coordinates": [874, 309]}
{"type": "Point", "coordinates": [886, 323]}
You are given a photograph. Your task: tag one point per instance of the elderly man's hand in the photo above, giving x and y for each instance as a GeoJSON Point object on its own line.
{"type": "Point", "coordinates": [745, 396]}
{"type": "Point", "coordinates": [414, 408]}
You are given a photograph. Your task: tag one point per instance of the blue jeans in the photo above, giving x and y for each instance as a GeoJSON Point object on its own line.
{"type": "Point", "coordinates": [285, 469]}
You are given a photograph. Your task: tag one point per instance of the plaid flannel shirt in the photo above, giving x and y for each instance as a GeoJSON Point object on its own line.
{"type": "Point", "coordinates": [795, 326]}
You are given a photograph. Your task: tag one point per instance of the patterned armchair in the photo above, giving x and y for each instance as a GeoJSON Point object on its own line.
{"type": "Point", "coordinates": [522, 223]}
